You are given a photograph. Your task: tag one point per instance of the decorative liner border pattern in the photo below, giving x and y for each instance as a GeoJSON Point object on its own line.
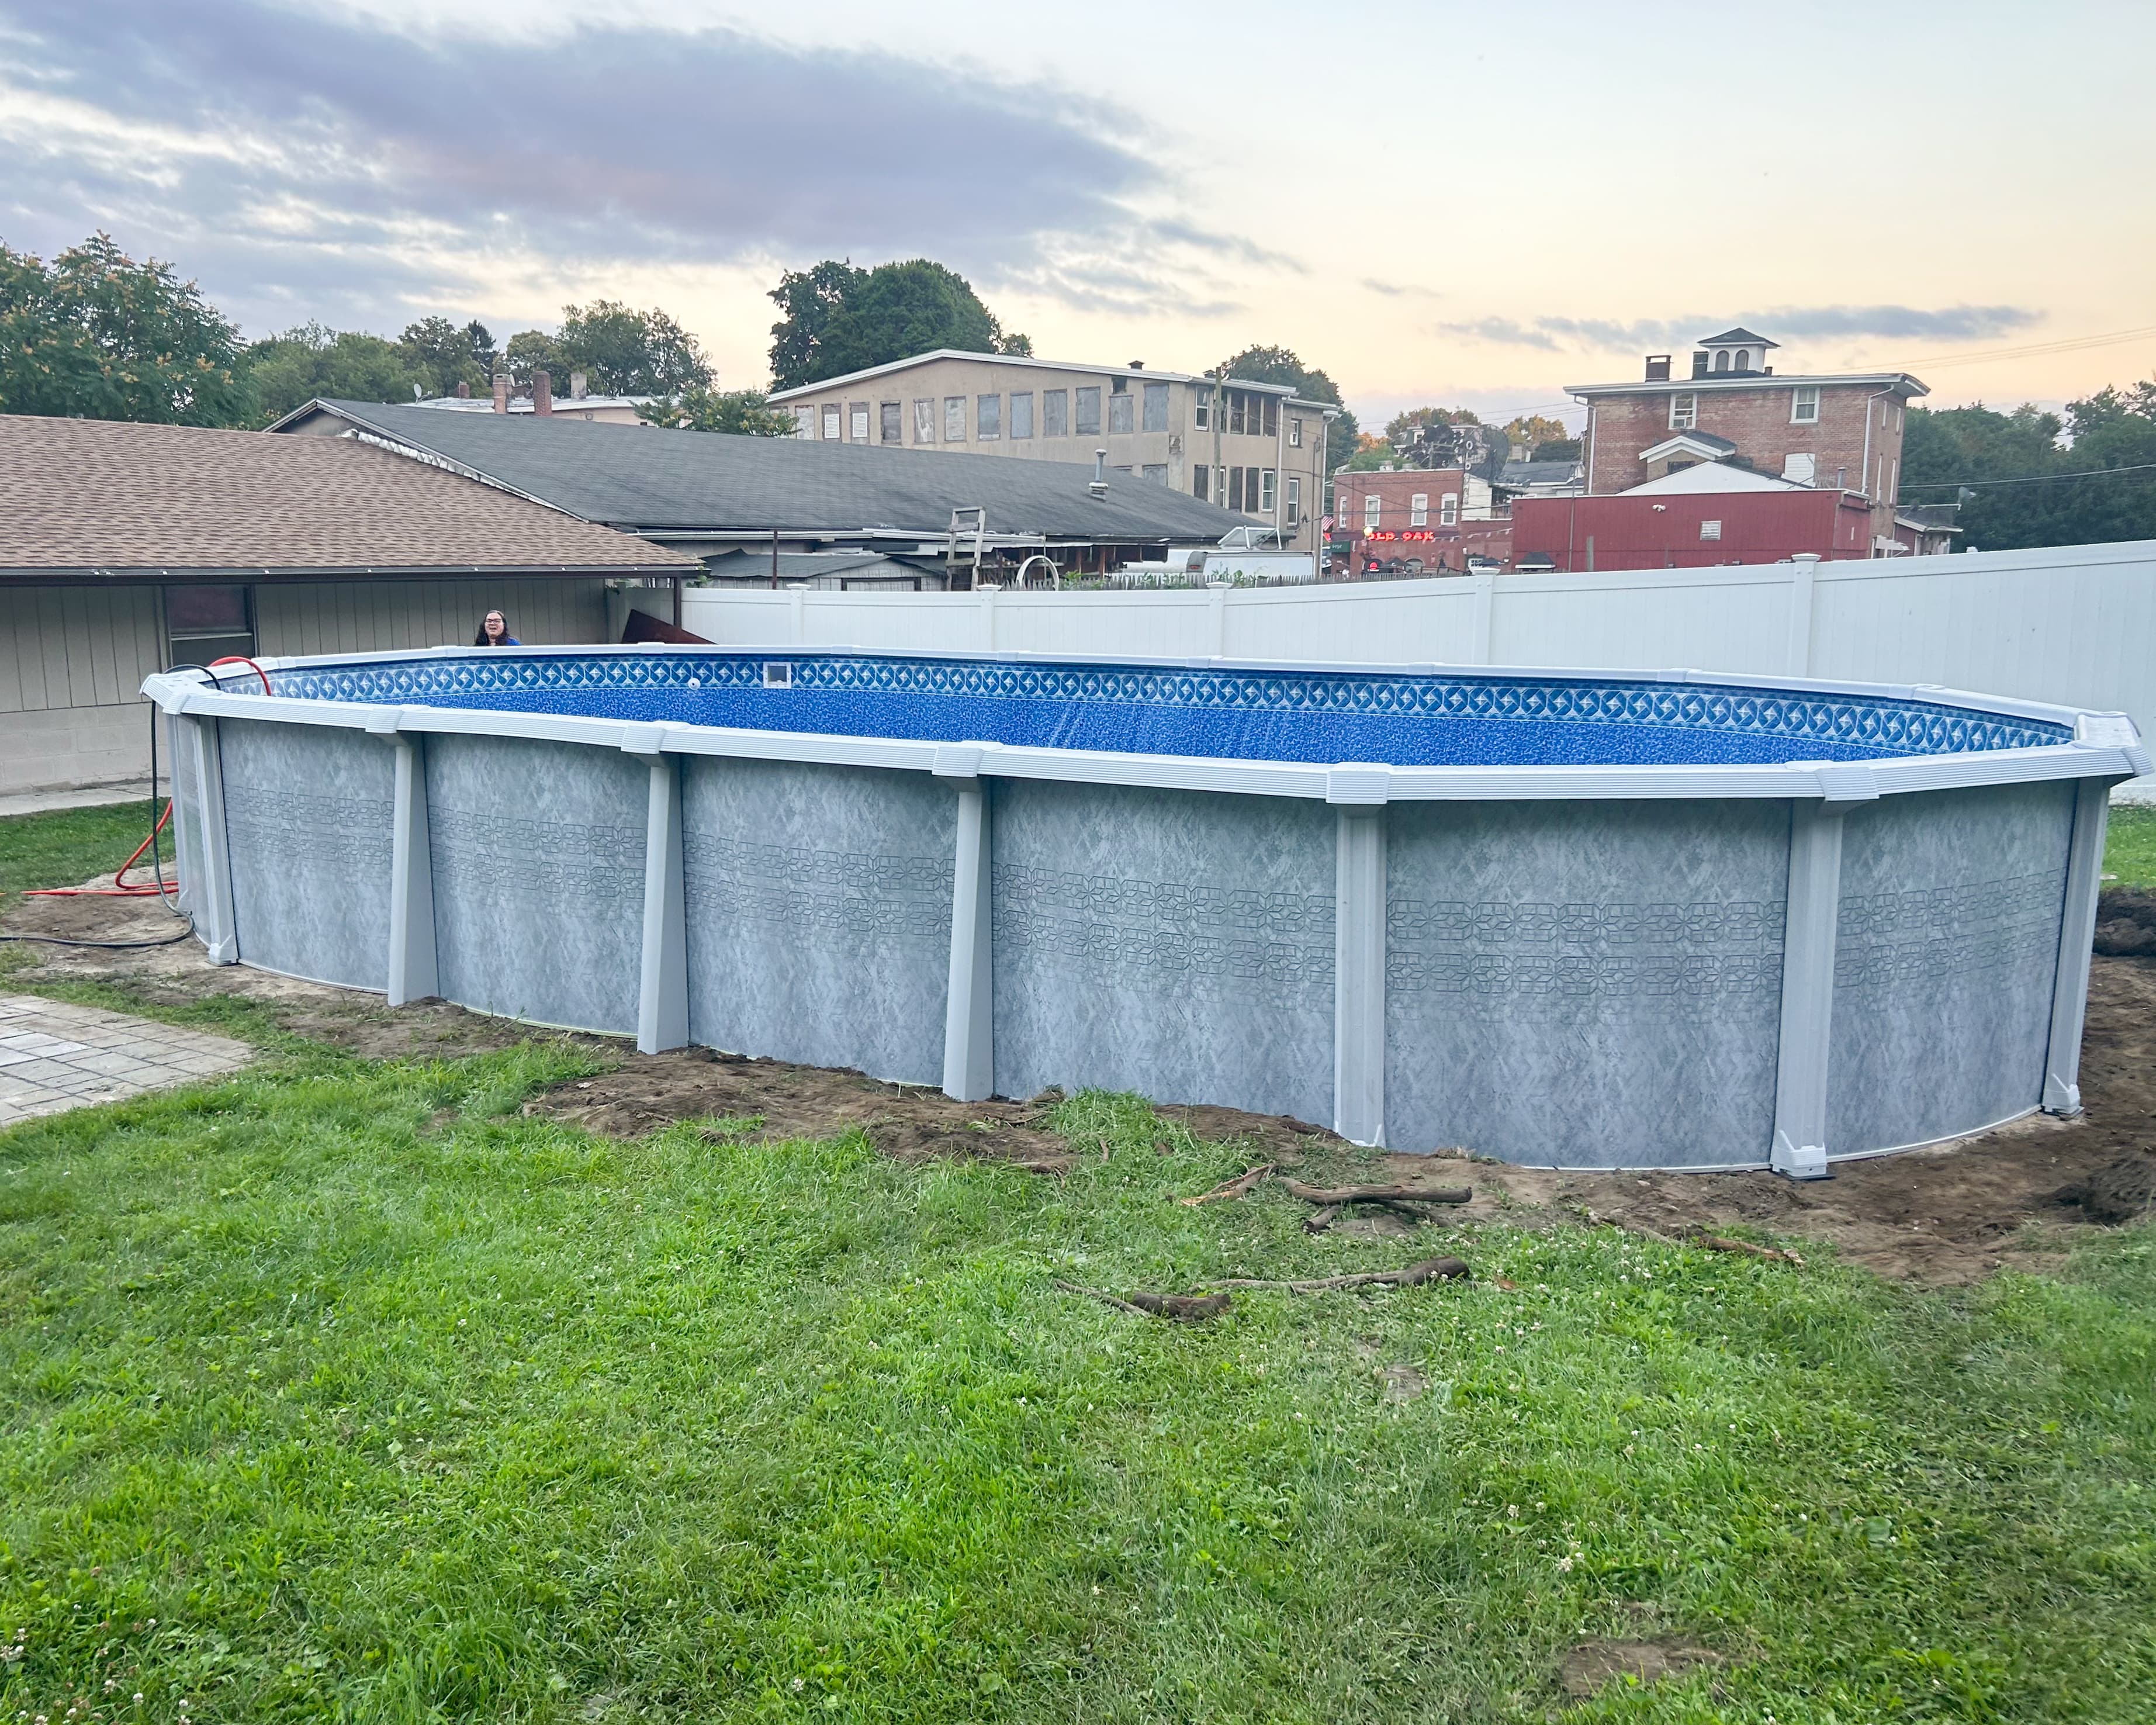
{"type": "Point", "coordinates": [1895, 727]}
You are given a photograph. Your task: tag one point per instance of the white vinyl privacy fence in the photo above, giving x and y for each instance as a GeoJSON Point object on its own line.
{"type": "Point", "coordinates": [2074, 625]}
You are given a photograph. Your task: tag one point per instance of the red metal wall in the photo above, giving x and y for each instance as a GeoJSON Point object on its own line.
{"type": "Point", "coordinates": [1630, 533]}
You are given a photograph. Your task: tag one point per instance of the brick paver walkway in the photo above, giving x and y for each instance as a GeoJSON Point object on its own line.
{"type": "Point", "coordinates": [54, 1056]}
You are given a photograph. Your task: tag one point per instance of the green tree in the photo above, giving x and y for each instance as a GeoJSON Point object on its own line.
{"type": "Point", "coordinates": [447, 354]}
{"type": "Point", "coordinates": [625, 351]}
{"type": "Point", "coordinates": [1963, 454]}
{"type": "Point", "coordinates": [1402, 426]}
{"type": "Point", "coordinates": [1531, 432]}
{"type": "Point", "coordinates": [97, 335]}
{"type": "Point", "coordinates": [288, 370]}
{"type": "Point", "coordinates": [1370, 454]}
{"type": "Point", "coordinates": [1280, 365]}
{"type": "Point", "coordinates": [743, 413]}
{"type": "Point", "coordinates": [837, 319]}
{"type": "Point", "coordinates": [530, 350]}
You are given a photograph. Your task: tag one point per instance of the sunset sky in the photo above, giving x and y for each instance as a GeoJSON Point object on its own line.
{"type": "Point", "coordinates": [1435, 202]}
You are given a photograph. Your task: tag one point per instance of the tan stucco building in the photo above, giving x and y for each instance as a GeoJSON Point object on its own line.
{"type": "Point", "coordinates": [1256, 449]}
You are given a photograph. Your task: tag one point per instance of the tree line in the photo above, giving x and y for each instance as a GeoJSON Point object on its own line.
{"type": "Point", "coordinates": [2029, 478]}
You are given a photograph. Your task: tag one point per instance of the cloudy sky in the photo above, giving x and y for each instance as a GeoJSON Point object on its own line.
{"type": "Point", "coordinates": [1436, 202]}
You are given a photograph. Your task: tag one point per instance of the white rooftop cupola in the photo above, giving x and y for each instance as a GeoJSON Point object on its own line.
{"type": "Point", "coordinates": [1732, 353]}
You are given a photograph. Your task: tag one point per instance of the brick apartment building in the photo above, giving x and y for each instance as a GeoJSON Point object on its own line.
{"type": "Point", "coordinates": [1828, 431]}
{"type": "Point", "coordinates": [1426, 519]}
{"type": "Point", "coordinates": [1256, 449]}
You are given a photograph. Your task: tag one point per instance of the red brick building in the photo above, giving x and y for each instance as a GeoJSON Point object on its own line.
{"type": "Point", "coordinates": [1829, 431]}
{"type": "Point", "coordinates": [1428, 519]}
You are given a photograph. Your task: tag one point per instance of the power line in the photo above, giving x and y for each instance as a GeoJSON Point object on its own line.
{"type": "Point", "coordinates": [2030, 479]}
{"type": "Point", "coordinates": [2066, 344]}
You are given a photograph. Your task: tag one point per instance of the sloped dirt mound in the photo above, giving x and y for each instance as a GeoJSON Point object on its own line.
{"type": "Point", "coordinates": [2126, 923]}
{"type": "Point", "coordinates": [648, 1092]}
{"type": "Point", "coordinates": [2118, 1192]}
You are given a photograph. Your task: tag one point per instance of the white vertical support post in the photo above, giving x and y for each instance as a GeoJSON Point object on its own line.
{"type": "Point", "coordinates": [1803, 569]}
{"type": "Point", "coordinates": [986, 596]}
{"type": "Point", "coordinates": [797, 624]}
{"type": "Point", "coordinates": [1808, 942]}
{"type": "Point", "coordinates": [1485, 601]}
{"type": "Point", "coordinates": [1358, 967]}
{"type": "Point", "coordinates": [413, 972]}
{"type": "Point", "coordinates": [1216, 602]}
{"type": "Point", "coordinates": [215, 920]}
{"type": "Point", "coordinates": [969, 1059]}
{"type": "Point", "coordinates": [186, 889]}
{"type": "Point", "coordinates": [2062, 1061]}
{"type": "Point", "coordinates": [662, 1006]}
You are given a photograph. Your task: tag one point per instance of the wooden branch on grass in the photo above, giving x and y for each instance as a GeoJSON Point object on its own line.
{"type": "Point", "coordinates": [1183, 1308]}
{"type": "Point", "coordinates": [1722, 1243]}
{"type": "Point", "coordinates": [1380, 1195]}
{"type": "Point", "coordinates": [1317, 1221]}
{"type": "Point", "coordinates": [1412, 1275]}
{"type": "Point", "coordinates": [1229, 1188]}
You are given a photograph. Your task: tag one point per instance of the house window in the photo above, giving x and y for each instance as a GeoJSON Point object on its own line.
{"type": "Point", "coordinates": [1373, 511]}
{"type": "Point", "coordinates": [1721, 361]}
{"type": "Point", "coordinates": [893, 425]}
{"type": "Point", "coordinates": [831, 421]}
{"type": "Point", "coordinates": [1418, 510]}
{"type": "Point", "coordinates": [859, 419]}
{"type": "Point", "coordinates": [924, 421]}
{"type": "Point", "coordinates": [1202, 414]}
{"type": "Point", "coordinates": [1268, 491]}
{"type": "Point", "coordinates": [1234, 488]}
{"type": "Point", "coordinates": [1021, 416]}
{"type": "Point", "coordinates": [1294, 500]}
{"type": "Point", "coordinates": [207, 622]}
{"type": "Point", "coordinates": [954, 418]}
{"type": "Point", "coordinates": [1089, 411]}
{"type": "Point", "coordinates": [1744, 359]}
{"type": "Point", "coordinates": [1272, 416]}
{"type": "Point", "coordinates": [1294, 433]}
{"type": "Point", "coordinates": [1198, 488]}
{"type": "Point", "coordinates": [1121, 414]}
{"type": "Point", "coordinates": [1155, 407]}
{"type": "Point", "coordinates": [1448, 510]}
{"type": "Point", "coordinates": [1804, 405]}
{"type": "Point", "coordinates": [1156, 471]}
{"type": "Point", "coordinates": [989, 418]}
{"type": "Point", "coordinates": [1055, 413]}
{"type": "Point", "coordinates": [1684, 411]}
{"type": "Point", "coordinates": [1235, 401]}
{"type": "Point", "coordinates": [805, 423]}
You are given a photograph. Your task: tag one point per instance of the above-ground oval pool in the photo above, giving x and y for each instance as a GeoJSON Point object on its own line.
{"type": "Point", "coordinates": [1585, 919]}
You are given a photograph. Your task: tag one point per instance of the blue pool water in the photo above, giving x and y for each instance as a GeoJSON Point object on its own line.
{"type": "Point", "coordinates": [1400, 719]}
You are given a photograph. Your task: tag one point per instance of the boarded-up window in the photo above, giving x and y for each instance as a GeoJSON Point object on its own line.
{"type": "Point", "coordinates": [1021, 414]}
{"type": "Point", "coordinates": [1089, 411]}
{"type": "Point", "coordinates": [988, 418]}
{"type": "Point", "coordinates": [804, 423]}
{"type": "Point", "coordinates": [1156, 407]}
{"type": "Point", "coordinates": [954, 418]}
{"type": "Point", "coordinates": [924, 421]}
{"type": "Point", "coordinates": [1055, 413]}
{"type": "Point", "coordinates": [1121, 415]}
{"type": "Point", "coordinates": [894, 422]}
{"type": "Point", "coordinates": [859, 419]}
{"type": "Point", "coordinates": [831, 421]}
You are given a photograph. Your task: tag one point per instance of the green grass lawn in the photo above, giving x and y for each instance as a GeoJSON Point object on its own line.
{"type": "Point", "coordinates": [343, 1391]}
{"type": "Point", "coordinates": [2129, 850]}
{"type": "Point", "coordinates": [69, 845]}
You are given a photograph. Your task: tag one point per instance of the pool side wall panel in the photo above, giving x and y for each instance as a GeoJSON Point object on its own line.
{"type": "Point", "coordinates": [1585, 985]}
{"type": "Point", "coordinates": [538, 877]}
{"type": "Point", "coordinates": [819, 919]}
{"type": "Point", "coordinates": [1945, 949]}
{"type": "Point", "coordinates": [307, 817]}
{"type": "Point", "coordinates": [1176, 943]}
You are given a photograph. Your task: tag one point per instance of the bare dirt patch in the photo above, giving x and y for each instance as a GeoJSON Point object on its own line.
{"type": "Point", "coordinates": [1586, 1668]}
{"type": "Point", "coordinates": [1946, 1216]}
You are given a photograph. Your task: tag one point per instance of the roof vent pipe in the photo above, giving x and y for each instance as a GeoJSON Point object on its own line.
{"type": "Point", "coordinates": [1099, 484]}
{"type": "Point", "coordinates": [502, 392]}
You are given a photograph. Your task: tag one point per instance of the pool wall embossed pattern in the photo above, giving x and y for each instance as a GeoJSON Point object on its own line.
{"type": "Point", "coordinates": [1675, 919]}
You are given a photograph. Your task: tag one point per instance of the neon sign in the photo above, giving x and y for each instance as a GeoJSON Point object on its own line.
{"type": "Point", "coordinates": [1407, 536]}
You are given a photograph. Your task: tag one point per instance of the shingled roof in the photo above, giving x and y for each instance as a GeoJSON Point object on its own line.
{"type": "Point", "coordinates": [650, 480]}
{"type": "Point", "coordinates": [105, 497]}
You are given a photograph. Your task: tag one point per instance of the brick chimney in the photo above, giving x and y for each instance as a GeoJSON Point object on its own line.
{"type": "Point", "coordinates": [502, 392]}
{"type": "Point", "coordinates": [542, 392]}
{"type": "Point", "coordinates": [463, 390]}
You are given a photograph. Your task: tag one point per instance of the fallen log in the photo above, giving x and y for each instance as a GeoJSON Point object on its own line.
{"type": "Point", "coordinates": [1229, 1188]}
{"type": "Point", "coordinates": [1317, 1221]}
{"type": "Point", "coordinates": [1183, 1308]}
{"type": "Point", "coordinates": [1411, 1275]}
{"type": "Point", "coordinates": [1380, 1195]}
